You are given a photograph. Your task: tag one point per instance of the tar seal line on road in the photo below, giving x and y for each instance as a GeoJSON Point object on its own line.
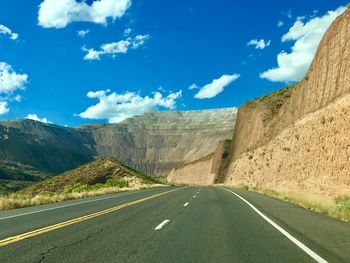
{"type": "Point", "coordinates": [280, 229]}
{"type": "Point", "coordinates": [43, 230]}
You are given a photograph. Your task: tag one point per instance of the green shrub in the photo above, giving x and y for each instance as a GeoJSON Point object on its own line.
{"type": "Point", "coordinates": [78, 188]}
{"type": "Point", "coordinates": [117, 182]}
{"type": "Point", "coordinates": [342, 204]}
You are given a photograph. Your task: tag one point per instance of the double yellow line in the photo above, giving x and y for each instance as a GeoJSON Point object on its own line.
{"type": "Point", "coordinates": [13, 239]}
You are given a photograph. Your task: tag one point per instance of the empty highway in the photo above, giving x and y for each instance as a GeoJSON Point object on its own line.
{"type": "Point", "coordinates": [173, 224]}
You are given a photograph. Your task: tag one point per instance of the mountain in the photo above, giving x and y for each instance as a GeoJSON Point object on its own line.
{"type": "Point", "coordinates": [14, 176]}
{"type": "Point", "coordinates": [104, 172]}
{"type": "Point", "coordinates": [157, 142]}
{"type": "Point", "coordinates": [46, 147]}
{"type": "Point", "coordinates": [153, 143]}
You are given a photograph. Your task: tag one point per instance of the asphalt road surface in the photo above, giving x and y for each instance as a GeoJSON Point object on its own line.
{"type": "Point", "coordinates": [168, 224]}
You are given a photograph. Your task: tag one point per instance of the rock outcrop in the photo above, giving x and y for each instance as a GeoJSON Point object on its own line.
{"type": "Point", "coordinates": [204, 171]}
{"type": "Point", "coordinates": [311, 156]}
{"type": "Point", "coordinates": [298, 139]}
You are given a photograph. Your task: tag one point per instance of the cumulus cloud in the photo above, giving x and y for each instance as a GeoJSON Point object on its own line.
{"type": "Point", "coordinates": [10, 81]}
{"type": "Point", "coordinates": [83, 33]}
{"type": "Point", "coordinates": [216, 86]}
{"type": "Point", "coordinates": [117, 107]}
{"type": "Point", "coordinates": [35, 117]}
{"type": "Point", "coordinates": [4, 107]}
{"type": "Point", "coordinates": [115, 48]}
{"type": "Point", "coordinates": [60, 13]}
{"type": "Point", "coordinates": [293, 66]}
{"type": "Point", "coordinates": [4, 30]}
{"type": "Point", "coordinates": [280, 23]}
{"type": "Point", "coordinates": [259, 44]}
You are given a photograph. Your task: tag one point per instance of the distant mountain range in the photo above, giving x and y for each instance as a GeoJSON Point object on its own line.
{"type": "Point", "coordinates": [153, 143]}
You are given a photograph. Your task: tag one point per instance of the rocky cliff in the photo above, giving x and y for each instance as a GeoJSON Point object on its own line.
{"type": "Point", "coordinates": [298, 138]}
{"type": "Point", "coordinates": [204, 171]}
{"type": "Point", "coordinates": [327, 79]}
{"type": "Point", "coordinates": [154, 142]}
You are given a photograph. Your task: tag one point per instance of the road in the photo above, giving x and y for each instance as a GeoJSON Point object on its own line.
{"type": "Point", "coordinates": [168, 224]}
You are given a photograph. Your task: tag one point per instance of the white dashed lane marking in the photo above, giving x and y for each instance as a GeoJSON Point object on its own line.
{"type": "Point", "coordinates": [161, 225]}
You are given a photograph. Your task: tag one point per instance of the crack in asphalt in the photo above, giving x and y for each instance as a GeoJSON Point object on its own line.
{"type": "Point", "coordinates": [44, 254]}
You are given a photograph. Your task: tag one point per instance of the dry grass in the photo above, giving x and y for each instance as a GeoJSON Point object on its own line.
{"type": "Point", "coordinates": [14, 201]}
{"type": "Point", "coordinates": [337, 208]}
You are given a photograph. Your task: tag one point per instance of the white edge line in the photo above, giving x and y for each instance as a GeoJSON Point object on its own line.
{"type": "Point", "coordinates": [186, 204]}
{"type": "Point", "coordinates": [68, 205]}
{"type": "Point", "coordinates": [284, 232]}
{"type": "Point", "coordinates": [161, 225]}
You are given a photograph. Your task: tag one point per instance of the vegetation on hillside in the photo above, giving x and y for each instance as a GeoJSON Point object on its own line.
{"type": "Point", "coordinates": [105, 172]}
{"type": "Point", "coordinates": [100, 177]}
{"type": "Point", "coordinates": [272, 101]}
{"type": "Point", "coordinates": [14, 176]}
{"type": "Point", "coordinates": [226, 151]}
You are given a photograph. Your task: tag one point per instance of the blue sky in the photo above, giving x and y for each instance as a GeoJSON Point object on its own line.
{"type": "Point", "coordinates": [137, 56]}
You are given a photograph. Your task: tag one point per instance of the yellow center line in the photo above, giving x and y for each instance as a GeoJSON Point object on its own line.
{"type": "Point", "coordinates": [43, 230]}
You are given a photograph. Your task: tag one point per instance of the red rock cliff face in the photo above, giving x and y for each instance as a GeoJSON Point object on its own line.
{"type": "Point", "coordinates": [327, 79]}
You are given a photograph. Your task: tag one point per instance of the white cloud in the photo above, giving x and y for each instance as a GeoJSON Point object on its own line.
{"type": "Point", "coordinates": [4, 30]}
{"type": "Point", "coordinates": [60, 13]}
{"type": "Point", "coordinates": [293, 66]}
{"type": "Point", "coordinates": [35, 117]}
{"type": "Point", "coordinates": [288, 14]}
{"type": "Point", "coordinates": [10, 81]}
{"type": "Point", "coordinates": [114, 48]}
{"type": "Point", "coordinates": [259, 44]}
{"type": "Point", "coordinates": [280, 23]}
{"type": "Point", "coordinates": [193, 86]}
{"type": "Point", "coordinates": [4, 107]}
{"type": "Point", "coordinates": [117, 107]}
{"type": "Point", "coordinates": [216, 86]}
{"type": "Point", "coordinates": [127, 32]}
{"type": "Point", "coordinates": [83, 33]}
